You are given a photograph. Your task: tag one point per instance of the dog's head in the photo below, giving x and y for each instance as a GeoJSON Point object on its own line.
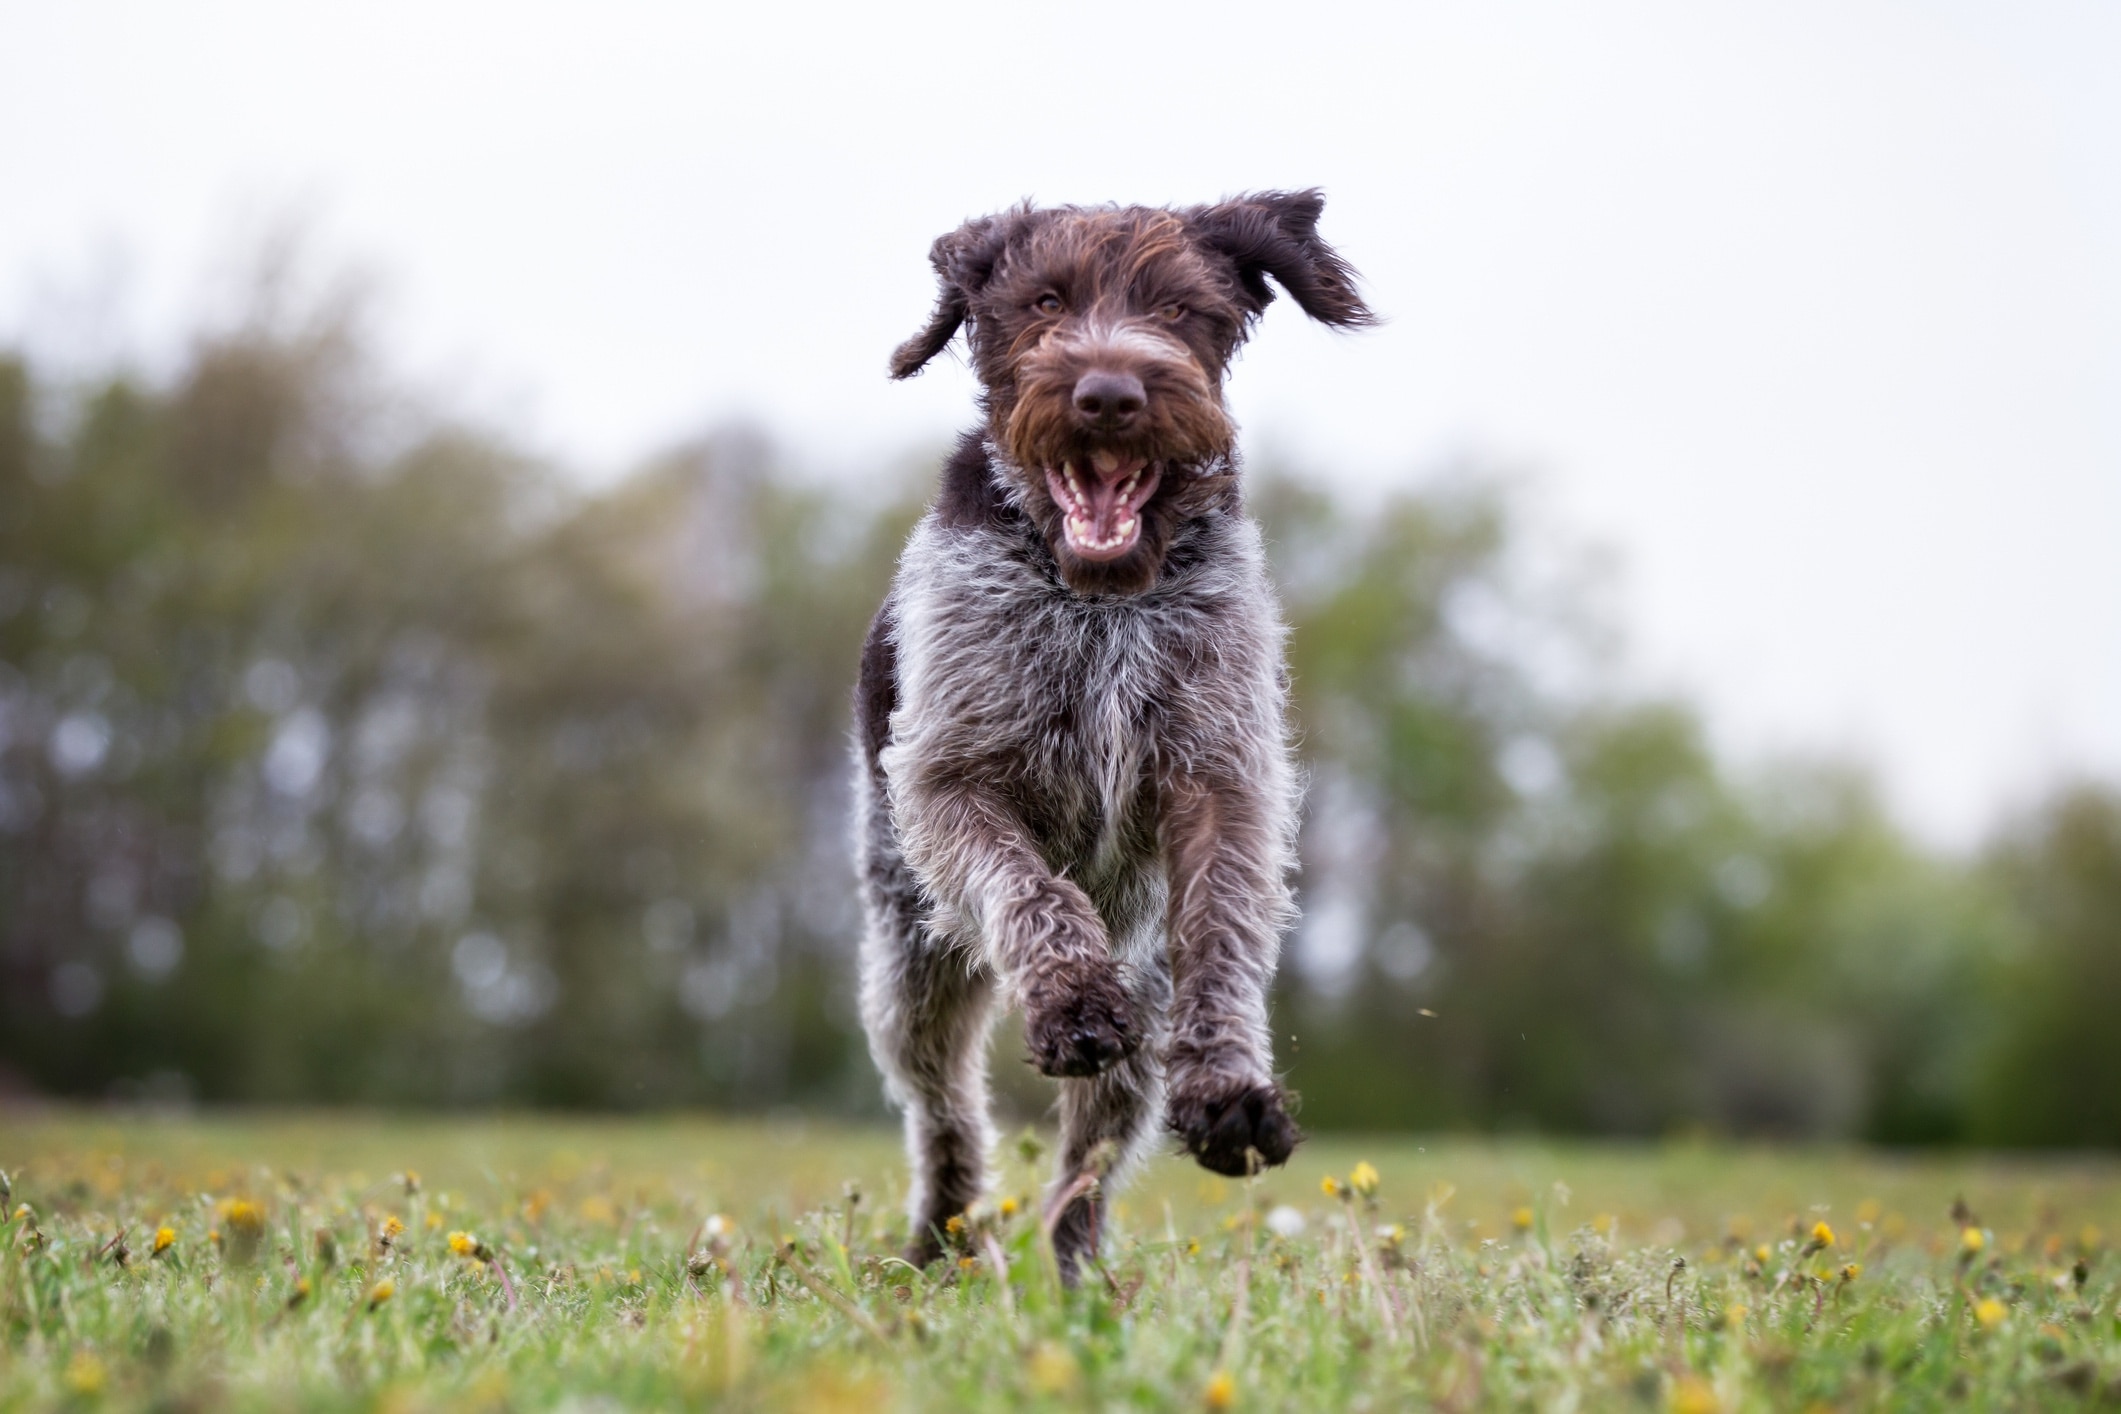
{"type": "Point", "coordinates": [1101, 336]}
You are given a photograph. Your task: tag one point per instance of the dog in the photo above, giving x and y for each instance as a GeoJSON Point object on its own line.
{"type": "Point", "coordinates": [1075, 786]}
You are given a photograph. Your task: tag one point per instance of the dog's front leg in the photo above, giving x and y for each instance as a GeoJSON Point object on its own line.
{"type": "Point", "coordinates": [1227, 856]}
{"type": "Point", "coordinates": [1041, 932]}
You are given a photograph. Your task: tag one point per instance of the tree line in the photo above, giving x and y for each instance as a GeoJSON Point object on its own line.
{"type": "Point", "coordinates": [349, 753]}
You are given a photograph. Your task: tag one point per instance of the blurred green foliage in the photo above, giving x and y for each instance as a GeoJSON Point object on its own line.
{"type": "Point", "coordinates": [350, 755]}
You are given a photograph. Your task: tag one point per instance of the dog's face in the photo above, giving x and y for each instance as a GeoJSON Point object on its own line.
{"type": "Point", "coordinates": [1101, 337]}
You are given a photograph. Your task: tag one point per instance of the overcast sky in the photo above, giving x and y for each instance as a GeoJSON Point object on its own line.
{"type": "Point", "coordinates": [1811, 312]}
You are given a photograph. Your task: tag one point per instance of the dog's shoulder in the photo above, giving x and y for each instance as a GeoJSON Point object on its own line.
{"type": "Point", "coordinates": [968, 498]}
{"type": "Point", "coordinates": [876, 681]}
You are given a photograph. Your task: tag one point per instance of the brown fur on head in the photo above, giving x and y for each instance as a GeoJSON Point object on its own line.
{"type": "Point", "coordinates": [1101, 336]}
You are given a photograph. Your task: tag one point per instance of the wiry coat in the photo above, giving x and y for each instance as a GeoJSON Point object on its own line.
{"type": "Point", "coordinates": [1083, 803]}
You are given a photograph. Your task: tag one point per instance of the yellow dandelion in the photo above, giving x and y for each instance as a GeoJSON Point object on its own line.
{"type": "Point", "coordinates": [242, 1229]}
{"type": "Point", "coordinates": [596, 1208]}
{"type": "Point", "coordinates": [392, 1228]}
{"type": "Point", "coordinates": [1603, 1224]}
{"type": "Point", "coordinates": [1692, 1394]}
{"type": "Point", "coordinates": [434, 1221]}
{"type": "Point", "coordinates": [1852, 1271]}
{"type": "Point", "coordinates": [463, 1244]}
{"type": "Point", "coordinates": [1990, 1313]}
{"type": "Point", "coordinates": [1052, 1369]}
{"type": "Point", "coordinates": [1822, 1236]}
{"type": "Point", "coordinates": [1009, 1207]}
{"type": "Point", "coordinates": [1521, 1219]}
{"type": "Point", "coordinates": [381, 1292]}
{"type": "Point", "coordinates": [411, 1180]}
{"type": "Point", "coordinates": [1763, 1254]}
{"type": "Point", "coordinates": [1330, 1186]}
{"type": "Point", "coordinates": [165, 1238]}
{"type": "Point", "coordinates": [1734, 1317]}
{"type": "Point", "coordinates": [1193, 1249]}
{"type": "Point", "coordinates": [22, 1210]}
{"type": "Point", "coordinates": [85, 1374]}
{"type": "Point", "coordinates": [300, 1294]}
{"type": "Point", "coordinates": [1363, 1179]}
{"type": "Point", "coordinates": [1972, 1240]}
{"type": "Point", "coordinates": [956, 1225]}
{"type": "Point", "coordinates": [1221, 1392]}
{"type": "Point", "coordinates": [966, 1264]}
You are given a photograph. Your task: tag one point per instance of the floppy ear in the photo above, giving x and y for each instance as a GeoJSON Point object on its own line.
{"type": "Point", "coordinates": [963, 261]}
{"type": "Point", "coordinates": [1276, 233]}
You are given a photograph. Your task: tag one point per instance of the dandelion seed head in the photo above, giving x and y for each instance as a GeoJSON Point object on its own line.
{"type": "Point", "coordinates": [1285, 1221]}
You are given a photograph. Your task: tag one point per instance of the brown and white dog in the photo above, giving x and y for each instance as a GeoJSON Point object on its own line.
{"type": "Point", "coordinates": [1075, 785]}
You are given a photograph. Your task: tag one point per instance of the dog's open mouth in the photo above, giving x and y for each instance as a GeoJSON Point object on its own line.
{"type": "Point", "coordinates": [1101, 504]}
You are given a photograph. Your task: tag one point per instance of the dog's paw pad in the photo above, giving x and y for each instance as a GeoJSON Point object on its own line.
{"type": "Point", "coordinates": [1238, 1133]}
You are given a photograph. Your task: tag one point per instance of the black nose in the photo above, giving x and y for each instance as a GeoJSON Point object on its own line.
{"type": "Point", "coordinates": [1109, 399]}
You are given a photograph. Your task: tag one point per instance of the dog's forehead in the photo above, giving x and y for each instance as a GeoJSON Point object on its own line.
{"type": "Point", "coordinates": [1105, 244]}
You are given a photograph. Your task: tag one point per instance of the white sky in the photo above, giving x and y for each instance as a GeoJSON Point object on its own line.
{"type": "Point", "coordinates": [1811, 311]}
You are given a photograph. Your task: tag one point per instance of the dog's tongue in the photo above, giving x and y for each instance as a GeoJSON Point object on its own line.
{"type": "Point", "coordinates": [1101, 503]}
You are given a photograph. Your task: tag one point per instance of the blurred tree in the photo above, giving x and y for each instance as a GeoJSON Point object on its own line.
{"type": "Point", "coordinates": [2054, 1071]}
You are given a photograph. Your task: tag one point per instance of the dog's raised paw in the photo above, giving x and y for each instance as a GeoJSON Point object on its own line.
{"type": "Point", "coordinates": [1079, 1028]}
{"type": "Point", "coordinates": [1238, 1132]}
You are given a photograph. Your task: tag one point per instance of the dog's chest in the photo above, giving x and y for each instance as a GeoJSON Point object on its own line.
{"type": "Point", "coordinates": [1058, 703]}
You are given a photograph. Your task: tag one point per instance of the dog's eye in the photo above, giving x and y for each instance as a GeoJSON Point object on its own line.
{"type": "Point", "coordinates": [1172, 312]}
{"type": "Point", "coordinates": [1048, 304]}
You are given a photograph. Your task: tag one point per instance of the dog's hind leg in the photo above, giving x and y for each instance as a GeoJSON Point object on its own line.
{"type": "Point", "coordinates": [1106, 1122]}
{"type": "Point", "coordinates": [926, 1005]}
{"type": "Point", "coordinates": [927, 1010]}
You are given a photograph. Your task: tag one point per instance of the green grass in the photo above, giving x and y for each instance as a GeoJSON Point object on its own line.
{"type": "Point", "coordinates": [661, 1264]}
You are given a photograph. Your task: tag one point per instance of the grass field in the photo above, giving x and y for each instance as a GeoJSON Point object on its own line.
{"type": "Point", "coordinates": [529, 1263]}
